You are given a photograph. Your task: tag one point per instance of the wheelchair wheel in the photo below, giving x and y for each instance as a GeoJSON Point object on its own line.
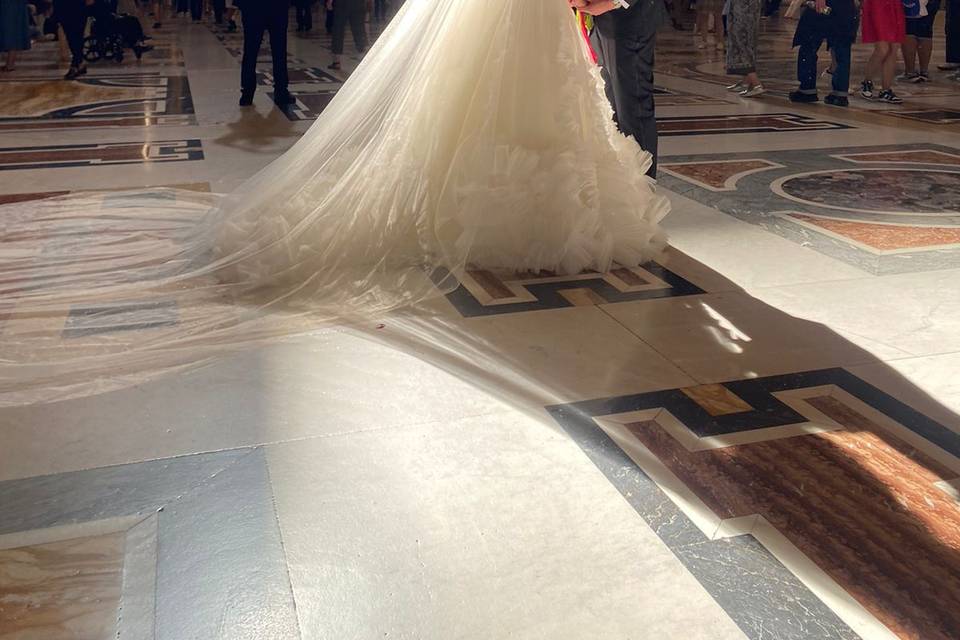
{"type": "Point", "coordinates": [92, 49]}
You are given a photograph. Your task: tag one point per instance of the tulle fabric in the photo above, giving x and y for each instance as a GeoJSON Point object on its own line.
{"type": "Point", "coordinates": [475, 134]}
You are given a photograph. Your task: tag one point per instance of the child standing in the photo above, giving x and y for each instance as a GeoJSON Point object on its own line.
{"type": "Point", "coordinates": [884, 25]}
{"type": "Point", "coordinates": [836, 22]}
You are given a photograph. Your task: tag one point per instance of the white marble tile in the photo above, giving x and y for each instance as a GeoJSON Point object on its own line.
{"type": "Point", "coordinates": [539, 357]}
{"type": "Point", "coordinates": [329, 382]}
{"type": "Point", "coordinates": [731, 336]}
{"type": "Point", "coordinates": [744, 253]}
{"type": "Point", "coordinates": [488, 527]}
{"type": "Point", "coordinates": [929, 384]}
{"type": "Point", "coordinates": [917, 313]}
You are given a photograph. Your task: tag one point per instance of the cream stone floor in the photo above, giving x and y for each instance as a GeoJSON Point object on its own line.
{"type": "Point", "coordinates": [450, 471]}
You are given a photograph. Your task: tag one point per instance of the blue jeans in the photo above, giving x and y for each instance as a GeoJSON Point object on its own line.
{"type": "Point", "coordinates": [807, 65]}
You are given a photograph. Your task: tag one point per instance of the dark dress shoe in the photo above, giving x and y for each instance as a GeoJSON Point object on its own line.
{"type": "Point", "coordinates": [801, 96]}
{"type": "Point", "coordinates": [283, 98]}
{"type": "Point", "coordinates": [246, 99]}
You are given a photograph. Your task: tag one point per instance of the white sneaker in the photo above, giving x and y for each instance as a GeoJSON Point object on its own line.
{"type": "Point", "coordinates": [753, 92]}
{"type": "Point", "coordinates": [736, 88]}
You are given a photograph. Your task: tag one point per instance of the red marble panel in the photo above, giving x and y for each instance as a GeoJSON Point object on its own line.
{"type": "Point", "coordinates": [858, 502]}
{"type": "Point", "coordinates": [886, 237]}
{"type": "Point", "coordinates": [715, 174]}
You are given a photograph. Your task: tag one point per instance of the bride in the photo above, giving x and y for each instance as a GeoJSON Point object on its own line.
{"type": "Point", "coordinates": [475, 134]}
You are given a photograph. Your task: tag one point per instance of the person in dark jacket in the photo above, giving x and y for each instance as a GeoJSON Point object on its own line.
{"type": "Point", "coordinates": [354, 13]}
{"type": "Point", "coordinates": [833, 21]}
{"type": "Point", "coordinates": [624, 38]}
{"type": "Point", "coordinates": [260, 16]}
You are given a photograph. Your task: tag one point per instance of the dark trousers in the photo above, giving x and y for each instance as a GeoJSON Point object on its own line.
{"type": "Point", "coordinates": [807, 64]}
{"type": "Point", "coordinates": [380, 9]}
{"type": "Point", "coordinates": [627, 69]}
{"type": "Point", "coordinates": [74, 23]}
{"type": "Point", "coordinates": [952, 29]}
{"type": "Point", "coordinates": [219, 6]}
{"type": "Point", "coordinates": [196, 9]}
{"type": "Point", "coordinates": [304, 15]}
{"type": "Point", "coordinates": [272, 19]}
{"type": "Point", "coordinates": [353, 12]}
{"type": "Point", "coordinates": [183, 6]}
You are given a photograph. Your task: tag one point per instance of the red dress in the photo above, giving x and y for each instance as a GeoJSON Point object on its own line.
{"type": "Point", "coordinates": [883, 21]}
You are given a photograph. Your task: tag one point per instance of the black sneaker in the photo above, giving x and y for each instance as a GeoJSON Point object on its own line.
{"type": "Point", "coordinates": [283, 98]}
{"type": "Point", "coordinates": [803, 96]}
{"type": "Point", "coordinates": [888, 96]}
{"type": "Point", "coordinates": [72, 74]}
{"type": "Point", "coordinates": [837, 101]}
{"type": "Point", "coordinates": [866, 90]}
{"type": "Point", "coordinates": [246, 98]}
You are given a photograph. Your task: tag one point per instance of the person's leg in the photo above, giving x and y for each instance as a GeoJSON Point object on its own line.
{"type": "Point", "coordinates": [890, 65]}
{"type": "Point", "coordinates": [358, 23]}
{"type": "Point", "coordinates": [841, 73]}
{"type": "Point", "coordinates": [952, 30]}
{"type": "Point", "coordinates": [628, 73]}
{"type": "Point", "coordinates": [196, 9]}
{"type": "Point", "coordinates": [807, 65]}
{"type": "Point", "coordinates": [74, 24]}
{"type": "Point", "coordinates": [875, 63]}
{"type": "Point", "coordinates": [278, 47]}
{"type": "Point", "coordinates": [703, 21]}
{"type": "Point", "coordinates": [218, 7]}
{"type": "Point", "coordinates": [253, 28]}
{"type": "Point", "coordinates": [910, 47]}
{"type": "Point", "coordinates": [340, 19]}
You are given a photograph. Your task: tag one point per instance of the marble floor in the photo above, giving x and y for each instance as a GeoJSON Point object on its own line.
{"type": "Point", "coordinates": [755, 436]}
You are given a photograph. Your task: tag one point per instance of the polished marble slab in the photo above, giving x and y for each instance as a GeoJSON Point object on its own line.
{"type": "Point", "coordinates": [841, 485]}
{"type": "Point", "coordinates": [884, 209]}
{"type": "Point", "coordinates": [99, 154]}
{"type": "Point", "coordinates": [742, 123]}
{"type": "Point", "coordinates": [116, 100]}
{"type": "Point", "coordinates": [218, 569]}
{"type": "Point", "coordinates": [484, 292]}
{"type": "Point", "coordinates": [62, 590]}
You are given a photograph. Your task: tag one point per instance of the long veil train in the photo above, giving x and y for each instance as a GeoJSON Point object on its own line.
{"type": "Point", "coordinates": [475, 132]}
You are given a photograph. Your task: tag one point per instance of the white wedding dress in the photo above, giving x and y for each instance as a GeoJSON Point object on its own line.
{"type": "Point", "coordinates": [475, 134]}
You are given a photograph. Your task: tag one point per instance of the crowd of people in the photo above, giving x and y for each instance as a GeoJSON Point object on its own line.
{"type": "Point", "coordinates": [897, 29]}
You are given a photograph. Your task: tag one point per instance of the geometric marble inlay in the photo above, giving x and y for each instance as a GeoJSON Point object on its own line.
{"type": "Point", "coordinates": [919, 156]}
{"type": "Point", "coordinates": [846, 489]}
{"type": "Point", "coordinates": [62, 590]}
{"type": "Point", "coordinates": [743, 123]}
{"type": "Point", "coordinates": [135, 316]}
{"type": "Point", "coordinates": [878, 190]}
{"type": "Point", "coordinates": [493, 292]}
{"type": "Point", "coordinates": [867, 206]}
{"type": "Point", "coordinates": [309, 105]}
{"type": "Point", "coordinates": [117, 100]}
{"type": "Point", "coordinates": [721, 175]}
{"type": "Point", "coordinates": [934, 116]}
{"type": "Point", "coordinates": [105, 153]}
{"type": "Point", "coordinates": [885, 237]}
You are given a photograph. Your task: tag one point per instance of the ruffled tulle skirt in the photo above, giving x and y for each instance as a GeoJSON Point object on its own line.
{"type": "Point", "coordinates": [475, 134]}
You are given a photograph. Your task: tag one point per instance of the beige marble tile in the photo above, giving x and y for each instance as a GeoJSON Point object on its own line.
{"type": "Point", "coordinates": [729, 336]}
{"type": "Point", "coordinates": [492, 527]}
{"type": "Point", "coordinates": [66, 590]}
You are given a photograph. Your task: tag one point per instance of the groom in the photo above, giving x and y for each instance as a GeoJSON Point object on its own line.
{"type": "Point", "coordinates": [624, 36]}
